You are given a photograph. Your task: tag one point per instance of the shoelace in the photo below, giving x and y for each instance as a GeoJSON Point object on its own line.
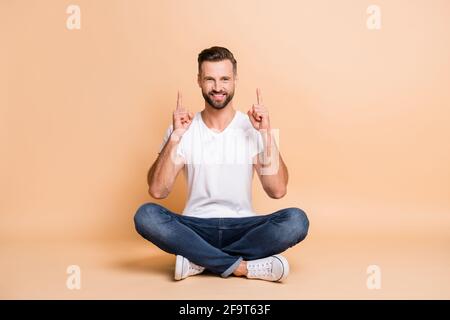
{"type": "Point", "coordinates": [260, 269]}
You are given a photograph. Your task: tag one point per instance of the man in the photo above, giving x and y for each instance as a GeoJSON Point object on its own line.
{"type": "Point", "coordinates": [219, 148]}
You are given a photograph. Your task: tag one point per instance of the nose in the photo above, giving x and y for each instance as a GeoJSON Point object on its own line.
{"type": "Point", "coordinates": [217, 86]}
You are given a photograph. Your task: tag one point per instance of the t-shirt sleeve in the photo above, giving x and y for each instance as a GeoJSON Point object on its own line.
{"type": "Point", "coordinates": [166, 137]}
{"type": "Point", "coordinates": [260, 144]}
{"type": "Point", "coordinates": [256, 142]}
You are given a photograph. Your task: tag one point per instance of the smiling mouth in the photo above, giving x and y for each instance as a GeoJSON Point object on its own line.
{"type": "Point", "coordinates": [218, 96]}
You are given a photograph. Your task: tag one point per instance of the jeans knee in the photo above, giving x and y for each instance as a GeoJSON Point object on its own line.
{"type": "Point", "coordinates": [298, 224]}
{"type": "Point", "coordinates": [144, 216]}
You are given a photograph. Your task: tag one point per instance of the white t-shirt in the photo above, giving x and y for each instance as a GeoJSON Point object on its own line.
{"type": "Point", "coordinates": [219, 167]}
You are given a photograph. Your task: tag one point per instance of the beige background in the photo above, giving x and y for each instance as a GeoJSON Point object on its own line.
{"type": "Point", "coordinates": [363, 117]}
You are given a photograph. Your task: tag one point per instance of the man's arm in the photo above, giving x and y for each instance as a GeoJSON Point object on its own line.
{"type": "Point", "coordinates": [271, 169]}
{"type": "Point", "coordinates": [165, 169]}
{"type": "Point", "coordinates": [268, 164]}
{"type": "Point", "coordinates": [163, 172]}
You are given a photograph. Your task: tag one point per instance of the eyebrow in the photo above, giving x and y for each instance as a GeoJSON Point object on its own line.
{"type": "Point", "coordinates": [224, 77]}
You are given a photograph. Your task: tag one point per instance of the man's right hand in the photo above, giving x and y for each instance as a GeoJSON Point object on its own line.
{"type": "Point", "coordinates": [182, 119]}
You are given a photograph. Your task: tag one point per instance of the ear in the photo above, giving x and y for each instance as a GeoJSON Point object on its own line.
{"type": "Point", "coordinates": [198, 80]}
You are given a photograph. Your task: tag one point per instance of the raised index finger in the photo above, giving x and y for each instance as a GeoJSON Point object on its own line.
{"type": "Point", "coordinates": [259, 96]}
{"type": "Point", "coordinates": [179, 101]}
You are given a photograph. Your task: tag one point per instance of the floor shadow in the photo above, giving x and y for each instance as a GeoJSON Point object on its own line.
{"type": "Point", "coordinates": [163, 264]}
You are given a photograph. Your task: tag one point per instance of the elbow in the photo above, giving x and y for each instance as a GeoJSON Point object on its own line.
{"type": "Point", "coordinates": [156, 194]}
{"type": "Point", "coordinates": [278, 194]}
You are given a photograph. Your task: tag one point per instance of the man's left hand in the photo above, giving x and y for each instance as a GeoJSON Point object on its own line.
{"type": "Point", "coordinates": [258, 114]}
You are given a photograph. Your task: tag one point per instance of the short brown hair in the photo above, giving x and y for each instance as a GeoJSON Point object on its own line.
{"type": "Point", "coordinates": [216, 54]}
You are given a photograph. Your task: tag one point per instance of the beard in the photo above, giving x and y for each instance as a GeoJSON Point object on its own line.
{"type": "Point", "coordinates": [215, 103]}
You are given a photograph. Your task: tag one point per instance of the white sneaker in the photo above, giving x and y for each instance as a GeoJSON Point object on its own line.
{"type": "Point", "coordinates": [273, 268]}
{"type": "Point", "coordinates": [184, 268]}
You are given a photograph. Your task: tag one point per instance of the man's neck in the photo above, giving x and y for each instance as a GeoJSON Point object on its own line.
{"type": "Point", "coordinates": [218, 119]}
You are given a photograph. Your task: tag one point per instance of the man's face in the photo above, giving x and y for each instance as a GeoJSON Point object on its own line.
{"type": "Point", "coordinates": [217, 81]}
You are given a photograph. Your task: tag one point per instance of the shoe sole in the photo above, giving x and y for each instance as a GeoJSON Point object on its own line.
{"type": "Point", "coordinates": [285, 265]}
{"type": "Point", "coordinates": [179, 267]}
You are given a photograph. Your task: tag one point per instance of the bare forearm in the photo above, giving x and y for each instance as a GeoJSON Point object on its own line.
{"type": "Point", "coordinates": [162, 174]}
{"type": "Point", "coordinates": [273, 170]}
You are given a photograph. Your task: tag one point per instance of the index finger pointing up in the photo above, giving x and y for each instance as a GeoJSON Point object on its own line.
{"type": "Point", "coordinates": [259, 96]}
{"type": "Point", "coordinates": [179, 100]}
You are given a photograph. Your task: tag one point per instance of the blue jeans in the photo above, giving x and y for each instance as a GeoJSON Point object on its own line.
{"type": "Point", "coordinates": [220, 244]}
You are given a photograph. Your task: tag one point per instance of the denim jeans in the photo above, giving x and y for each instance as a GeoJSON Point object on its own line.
{"type": "Point", "coordinates": [220, 244]}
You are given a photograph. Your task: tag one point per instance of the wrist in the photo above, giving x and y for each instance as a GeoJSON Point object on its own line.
{"type": "Point", "coordinates": [175, 137]}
